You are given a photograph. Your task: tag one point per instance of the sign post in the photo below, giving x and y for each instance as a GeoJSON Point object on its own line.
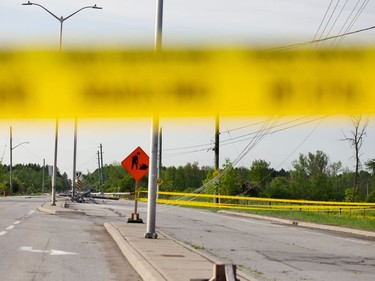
{"type": "Point", "coordinates": [79, 181]}
{"type": "Point", "coordinates": [136, 163]}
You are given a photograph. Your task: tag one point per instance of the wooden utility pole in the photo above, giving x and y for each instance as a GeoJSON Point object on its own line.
{"type": "Point", "coordinates": [216, 150]}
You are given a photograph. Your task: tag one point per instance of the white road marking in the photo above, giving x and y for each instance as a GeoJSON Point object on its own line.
{"type": "Point", "coordinates": [50, 252]}
{"type": "Point", "coordinates": [15, 223]}
{"type": "Point", "coordinates": [61, 253]}
{"type": "Point", "coordinates": [30, 249]}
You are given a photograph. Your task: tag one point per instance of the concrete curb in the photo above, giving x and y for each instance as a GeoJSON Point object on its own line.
{"type": "Point", "coordinates": [47, 210]}
{"type": "Point", "coordinates": [365, 233]}
{"type": "Point", "coordinates": [60, 207]}
{"type": "Point", "coordinates": [136, 259]}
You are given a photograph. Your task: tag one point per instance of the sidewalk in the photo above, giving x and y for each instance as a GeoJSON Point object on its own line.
{"type": "Point", "coordinates": [158, 259]}
{"type": "Point", "coordinates": [161, 259]}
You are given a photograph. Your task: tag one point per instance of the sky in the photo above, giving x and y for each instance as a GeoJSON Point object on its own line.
{"type": "Point", "coordinates": [186, 24]}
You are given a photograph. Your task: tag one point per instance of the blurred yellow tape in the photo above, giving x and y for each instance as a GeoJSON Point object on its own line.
{"type": "Point", "coordinates": [185, 83]}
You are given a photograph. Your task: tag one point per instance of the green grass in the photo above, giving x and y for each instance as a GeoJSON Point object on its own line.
{"type": "Point", "coordinates": [354, 220]}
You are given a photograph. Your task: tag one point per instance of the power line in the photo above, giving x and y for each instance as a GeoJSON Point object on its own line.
{"type": "Point", "coordinates": [321, 22]}
{"type": "Point", "coordinates": [364, 4]}
{"type": "Point", "coordinates": [330, 17]}
{"type": "Point", "coordinates": [254, 135]}
{"type": "Point", "coordinates": [319, 40]}
{"type": "Point", "coordinates": [338, 16]}
{"type": "Point", "coordinates": [275, 131]}
{"type": "Point", "coordinates": [347, 19]}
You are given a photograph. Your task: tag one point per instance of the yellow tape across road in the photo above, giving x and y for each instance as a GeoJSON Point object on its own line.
{"type": "Point", "coordinates": [185, 83]}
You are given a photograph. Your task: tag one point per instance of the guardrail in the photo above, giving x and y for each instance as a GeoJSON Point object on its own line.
{"type": "Point", "coordinates": [255, 203]}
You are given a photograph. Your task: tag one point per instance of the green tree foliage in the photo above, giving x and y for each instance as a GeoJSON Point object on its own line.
{"type": "Point", "coordinates": [313, 177]}
{"type": "Point", "coordinates": [229, 183]}
{"type": "Point", "coordinates": [4, 185]}
{"type": "Point", "coordinates": [28, 179]}
{"type": "Point", "coordinates": [185, 177]}
{"type": "Point", "coordinates": [260, 174]}
{"type": "Point", "coordinates": [370, 166]}
{"type": "Point", "coordinates": [279, 188]}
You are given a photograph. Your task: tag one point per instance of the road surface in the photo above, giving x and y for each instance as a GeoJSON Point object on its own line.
{"type": "Point", "coordinates": [266, 250]}
{"type": "Point", "coordinates": [36, 246]}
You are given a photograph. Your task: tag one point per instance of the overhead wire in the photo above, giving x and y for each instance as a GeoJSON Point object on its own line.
{"type": "Point", "coordinates": [322, 21]}
{"type": "Point", "coordinates": [338, 16]}
{"type": "Point", "coordinates": [295, 45]}
{"type": "Point", "coordinates": [294, 150]}
{"type": "Point", "coordinates": [245, 151]}
{"type": "Point", "coordinates": [246, 137]}
{"type": "Point", "coordinates": [209, 146]}
{"type": "Point", "coordinates": [223, 142]}
{"type": "Point", "coordinates": [341, 36]}
{"type": "Point", "coordinates": [346, 21]}
{"type": "Point", "coordinates": [328, 22]}
{"type": "Point", "coordinates": [360, 11]}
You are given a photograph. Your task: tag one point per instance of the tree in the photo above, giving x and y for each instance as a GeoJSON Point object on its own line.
{"type": "Point", "coordinates": [312, 177]}
{"type": "Point", "coordinates": [279, 188]}
{"type": "Point", "coordinates": [370, 166]}
{"type": "Point", "coordinates": [356, 140]}
{"type": "Point", "coordinates": [229, 182]}
{"type": "Point", "coordinates": [260, 173]}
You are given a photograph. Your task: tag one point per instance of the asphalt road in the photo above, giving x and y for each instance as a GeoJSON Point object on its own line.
{"type": "Point", "coordinates": [266, 250]}
{"type": "Point", "coordinates": [37, 246]}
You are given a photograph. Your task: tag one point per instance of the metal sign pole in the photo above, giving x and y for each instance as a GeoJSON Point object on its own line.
{"type": "Point", "coordinates": [135, 216]}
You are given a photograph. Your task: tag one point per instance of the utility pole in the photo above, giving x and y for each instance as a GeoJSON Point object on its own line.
{"type": "Point", "coordinates": [44, 164]}
{"type": "Point", "coordinates": [101, 163]}
{"type": "Point", "coordinates": [152, 178]}
{"type": "Point", "coordinates": [54, 174]}
{"type": "Point", "coordinates": [160, 157]}
{"type": "Point", "coordinates": [99, 172]}
{"type": "Point", "coordinates": [11, 162]}
{"type": "Point", "coordinates": [216, 150]}
{"type": "Point", "coordinates": [74, 184]}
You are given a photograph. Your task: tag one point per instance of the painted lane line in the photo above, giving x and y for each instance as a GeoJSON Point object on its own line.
{"type": "Point", "coordinates": [10, 227]}
{"type": "Point", "coordinates": [16, 222]}
{"type": "Point", "coordinates": [2, 233]}
{"type": "Point", "coordinates": [51, 252]}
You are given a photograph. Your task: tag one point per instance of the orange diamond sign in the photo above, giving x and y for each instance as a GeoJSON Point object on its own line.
{"type": "Point", "coordinates": [136, 163]}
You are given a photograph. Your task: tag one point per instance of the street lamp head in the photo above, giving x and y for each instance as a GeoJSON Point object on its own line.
{"type": "Point", "coordinates": [96, 7]}
{"type": "Point", "coordinates": [28, 3]}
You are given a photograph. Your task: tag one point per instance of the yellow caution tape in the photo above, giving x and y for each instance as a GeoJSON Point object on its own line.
{"type": "Point", "coordinates": [185, 83]}
{"type": "Point", "coordinates": [261, 200]}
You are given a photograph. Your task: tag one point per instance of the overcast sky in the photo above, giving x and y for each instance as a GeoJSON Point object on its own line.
{"type": "Point", "coordinates": [193, 23]}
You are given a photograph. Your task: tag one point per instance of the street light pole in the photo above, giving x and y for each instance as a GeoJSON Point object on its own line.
{"type": "Point", "coordinates": [61, 20]}
{"type": "Point", "coordinates": [152, 185]}
{"type": "Point", "coordinates": [11, 159]}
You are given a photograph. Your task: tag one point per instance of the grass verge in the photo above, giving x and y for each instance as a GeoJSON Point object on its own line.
{"type": "Point", "coordinates": [353, 221]}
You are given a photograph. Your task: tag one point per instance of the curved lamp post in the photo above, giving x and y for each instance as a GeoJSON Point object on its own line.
{"type": "Point", "coordinates": [11, 160]}
{"type": "Point", "coordinates": [61, 20]}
